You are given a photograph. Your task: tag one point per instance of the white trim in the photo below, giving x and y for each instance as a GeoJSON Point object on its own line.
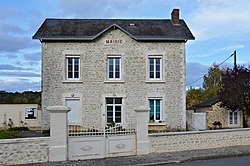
{"type": "Point", "coordinates": [73, 66]}
{"type": "Point", "coordinates": [114, 57]}
{"type": "Point", "coordinates": [238, 118]}
{"type": "Point", "coordinates": [161, 108]}
{"type": "Point", "coordinates": [103, 106]}
{"type": "Point", "coordinates": [148, 67]}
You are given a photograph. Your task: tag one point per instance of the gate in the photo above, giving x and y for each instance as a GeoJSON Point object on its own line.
{"type": "Point", "coordinates": [89, 143]}
{"type": "Point", "coordinates": [200, 121]}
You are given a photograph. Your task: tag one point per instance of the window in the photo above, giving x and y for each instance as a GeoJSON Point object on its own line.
{"type": "Point", "coordinates": [233, 117]}
{"type": "Point", "coordinates": [72, 68]}
{"type": "Point", "coordinates": [74, 114]}
{"type": "Point", "coordinates": [114, 110]}
{"type": "Point", "coordinates": [155, 67]}
{"type": "Point", "coordinates": [114, 68]}
{"type": "Point", "coordinates": [30, 113]}
{"type": "Point", "coordinates": [155, 113]}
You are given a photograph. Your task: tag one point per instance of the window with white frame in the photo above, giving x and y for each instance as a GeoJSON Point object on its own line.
{"type": "Point", "coordinates": [30, 113]}
{"type": "Point", "coordinates": [114, 110]}
{"type": "Point", "coordinates": [155, 113]}
{"type": "Point", "coordinates": [233, 117]}
{"type": "Point", "coordinates": [155, 67]}
{"type": "Point", "coordinates": [114, 67]}
{"type": "Point", "coordinates": [72, 67]}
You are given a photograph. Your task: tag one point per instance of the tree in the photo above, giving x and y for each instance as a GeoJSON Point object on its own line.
{"type": "Point", "coordinates": [212, 81]}
{"type": "Point", "coordinates": [194, 97]}
{"type": "Point", "coordinates": [235, 93]}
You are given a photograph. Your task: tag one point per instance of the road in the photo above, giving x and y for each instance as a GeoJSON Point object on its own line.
{"type": "Point", "coordinates": [234, 161]}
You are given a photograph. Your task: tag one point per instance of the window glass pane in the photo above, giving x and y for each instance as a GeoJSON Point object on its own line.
{"type": "Point", "coordinates": [151, 74]}
{"type": "Point", "coordinates": [158, 109]}
{"type": "Point", "coordinates": [118, 100]}
{"type": "Point", "coordinates": [117, 119]}
{"type": "Point", "coordinates": [230, 118]}
{"type": "Point", "coordinates": [235, 117]}
{"type": "Point", "coordinates": [117, 74]}
{"type": "Point", "coordinates": [118, 108]}
{"type": "Point", "coordinates": [70, 67]}
{"type": "Point", "coordinates": [111, 68]}
{"type": "Point", "coordinates": [109, 100]}
{"type": "Point", "coordinates": [151, 113]}
{"type": "Point", "coordinates": [109, 113]}
{"type": "Point", "coordinates": [158, 75]}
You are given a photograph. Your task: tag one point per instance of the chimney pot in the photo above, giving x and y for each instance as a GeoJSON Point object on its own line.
{"type": "Point", "coordinates": [175, 16]}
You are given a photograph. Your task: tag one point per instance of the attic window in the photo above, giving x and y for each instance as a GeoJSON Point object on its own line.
{"type": "Point", "coordinates": [131, 24]}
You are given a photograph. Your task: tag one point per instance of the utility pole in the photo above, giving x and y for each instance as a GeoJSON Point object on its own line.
{"type": "Point", "coordinates": [235, 65]}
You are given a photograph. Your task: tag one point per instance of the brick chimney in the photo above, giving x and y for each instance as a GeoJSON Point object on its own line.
{"type": "Point", "coordinates": [175, 16]}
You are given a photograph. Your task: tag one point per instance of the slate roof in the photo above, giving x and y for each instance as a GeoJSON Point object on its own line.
{"type": "Point", "coordinates": [209, 102]}
{"type": "Point", "coordinates": [90, 29]}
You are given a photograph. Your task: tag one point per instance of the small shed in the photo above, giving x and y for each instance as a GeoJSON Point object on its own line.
{"type": "Point", "coordinates": [219, 117]}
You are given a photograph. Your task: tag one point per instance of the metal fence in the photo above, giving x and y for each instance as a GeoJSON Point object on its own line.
{"type": "Point", "coordinates": [76, 130]}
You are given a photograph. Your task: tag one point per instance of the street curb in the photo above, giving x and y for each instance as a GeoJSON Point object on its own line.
{"type": "Point", "coordinates": [213, 157]}
{"type": "Point", "coordinates": [159, 163]}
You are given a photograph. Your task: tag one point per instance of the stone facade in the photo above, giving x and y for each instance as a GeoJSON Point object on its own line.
{"type": "Point", "coordinates": [134, 87]}
{"type": "Point", "coordinates": [220, 114]}
{"type": "Point", "coordinates": [171, 142]}
{"type": "Point", "coordinates": [24, 151]}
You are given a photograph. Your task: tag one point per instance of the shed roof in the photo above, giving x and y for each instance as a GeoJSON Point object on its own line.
{"type": "Point", "coordinates": [209, 102]}
{"type": "Point", "coordinates": [90, 29]}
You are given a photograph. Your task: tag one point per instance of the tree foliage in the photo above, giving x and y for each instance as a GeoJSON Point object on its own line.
{"type": "Point", "coordinates": [212, 82]}
{"type": "Point", "coordinates": [211, 86]}
{"type": "Point", "coordinates": [27, 97]}
{"type": "Point", "coordinates": [235, 93]}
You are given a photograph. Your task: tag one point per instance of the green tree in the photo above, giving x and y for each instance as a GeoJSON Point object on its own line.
{"type": "Point", "coordinates": [212, 81]}
{"type": "Point", "coordinates": [194, 97]}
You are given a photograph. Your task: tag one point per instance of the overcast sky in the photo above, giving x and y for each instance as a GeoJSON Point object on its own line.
{"type": "Point", "coordinates": [219, 26]}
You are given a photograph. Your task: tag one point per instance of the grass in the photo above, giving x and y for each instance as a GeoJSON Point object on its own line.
{"type": "Point", "coordinates": [6, 134]}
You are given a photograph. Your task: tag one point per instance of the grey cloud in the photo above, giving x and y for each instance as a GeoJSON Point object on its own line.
{"type": "Point", "coordinates": [33, 57]}
{"type": "Point", "coordinates": [11, 43]}
{"type": "Point", "coordinates": [11, 67]}
{"type": "Point", "coordinates": [10, 28]}
{"type": "Point", "coordinates": [195, 71]}
{"type": "Point", "coordinates": [19, 74]}
{"type": "Point", "coordinates": [20, 85]}
{"type": "Point", "coordinates": [98, 8]}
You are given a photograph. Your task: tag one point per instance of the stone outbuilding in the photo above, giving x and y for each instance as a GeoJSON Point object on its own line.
{"type": "Point", "coordinates": [104, 68]}
{"type": "Point", "coordinates": [219, 117]}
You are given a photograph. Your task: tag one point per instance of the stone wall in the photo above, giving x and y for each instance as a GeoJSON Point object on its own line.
{"type": "Point", "coordinates": [134, 87]}
{"type": "Point", "coordinates": [24, 151]}
{"type": "Point", "coordinates": [220, 114]}
{"type": "Point", "coordinates": [195, 140]}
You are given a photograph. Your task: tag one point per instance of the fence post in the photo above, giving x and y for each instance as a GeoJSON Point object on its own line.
{"type": "Point", "coordinates": [58, 143]}
{"type": "Point", "coordinates": [142, 130]}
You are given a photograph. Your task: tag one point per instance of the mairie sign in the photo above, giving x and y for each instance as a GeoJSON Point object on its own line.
{"type": "Point", "coordinates": [114, 41]}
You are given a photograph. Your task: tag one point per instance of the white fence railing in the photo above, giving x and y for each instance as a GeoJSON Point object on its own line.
{"type": "Point", "coordinates": [75, 130]}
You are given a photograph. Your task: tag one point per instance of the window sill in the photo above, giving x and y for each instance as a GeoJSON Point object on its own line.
{"type": "Point", "coordinates": [114, 81]}
{"type": "Point", "coordinates": [157, 124]}
{"type": "Point", "coordinates": [72, 81]}
{"type": "Point", "coordinates": [155, 82]}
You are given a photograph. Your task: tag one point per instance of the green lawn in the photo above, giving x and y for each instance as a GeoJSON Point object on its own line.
{"type": "Point", "coordinates": [6, 134]}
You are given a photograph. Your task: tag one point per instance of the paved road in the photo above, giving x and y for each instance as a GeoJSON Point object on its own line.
{"type": "Point", "coordinates": [233, 161]}
{"type": "Point", "coordinates": [164, 158]}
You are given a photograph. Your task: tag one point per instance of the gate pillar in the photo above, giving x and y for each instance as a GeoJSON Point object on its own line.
{"type": "Point", "coordinates": [58, 133]}
{"type": "Point", "coordinates": [142, 114]}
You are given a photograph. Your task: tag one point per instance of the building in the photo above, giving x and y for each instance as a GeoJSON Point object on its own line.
{"type": "Point", "coordinates": [104, 68]}
{"type": "Point", "coordinates": [219, 117]}
{"type": "Point", "coordinates": [20, 115]}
